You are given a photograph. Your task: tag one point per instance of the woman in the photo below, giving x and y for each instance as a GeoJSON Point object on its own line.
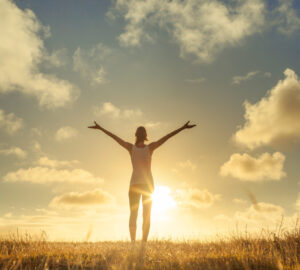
{"type": "Point", "coordinates": [141, 182]}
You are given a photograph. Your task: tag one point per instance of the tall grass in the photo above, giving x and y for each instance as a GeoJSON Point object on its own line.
{"type": "Point", "coordinates": [279, 250]}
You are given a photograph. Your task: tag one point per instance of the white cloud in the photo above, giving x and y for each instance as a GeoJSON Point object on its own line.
{"type": "Point", "coordinates": [52, 163]}
{"type": "Point", "coordinates": [65, 133]}
{"type": "Point", "coordinates": [82, 199]}
{"type": "Point", "coordinates": [195, 198]}
{"type": "Point", "coordinates": [21, 52]}
{"type": "Point", "coordinates": [200, 28]}
{"type": "Point", "coordinates": [43, 175]}
{"type": "Point", "coordinates": [250, 75]}
{"type": "Point", "coordinates": [14, 151]}
{"type": "Point", "coordinates": [9, 122]}
{"type": "Point", "coordinates": [107, 108]}
{"type": "Point", "coordinates": [132, 36]}
{"type": "Point", "coordinates": [287, 19]}
{"type": "Point", "coordinates": [110, 109]}
{"type": "Point", "coordinates": [89, 63]}
{"type": "Point", "coordinates": [248, 168]}
{"type": "Point", "coordinates": [274, 120]}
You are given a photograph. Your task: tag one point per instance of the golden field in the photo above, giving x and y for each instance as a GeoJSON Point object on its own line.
{"type": "Point", "coordinates": [266, 251]}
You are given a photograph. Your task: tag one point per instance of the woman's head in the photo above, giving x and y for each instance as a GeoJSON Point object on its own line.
{"type": "Point", "coordinates": [140, 135]}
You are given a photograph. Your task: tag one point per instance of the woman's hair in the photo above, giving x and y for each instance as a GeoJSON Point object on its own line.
{"type": "Point", "coordinates": [140, 135]}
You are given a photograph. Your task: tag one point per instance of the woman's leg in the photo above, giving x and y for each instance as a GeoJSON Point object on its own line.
{"type": "Point", "coordinates": [147, 205]}
{"type": "Point", "coordinates": [134, 201]}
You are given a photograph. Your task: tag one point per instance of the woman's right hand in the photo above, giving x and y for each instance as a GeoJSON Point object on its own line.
{"type": "Point", "coordinates": [187, 125]}
{"type": "Point", "coordinates": [95, 126]}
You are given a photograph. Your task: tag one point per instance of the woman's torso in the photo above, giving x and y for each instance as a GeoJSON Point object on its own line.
{"type": "Point", "coordinates": [141, 166]}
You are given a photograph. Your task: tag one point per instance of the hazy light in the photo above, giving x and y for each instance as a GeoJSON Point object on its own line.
{"type": "Point", "coordinates": [162, 200]}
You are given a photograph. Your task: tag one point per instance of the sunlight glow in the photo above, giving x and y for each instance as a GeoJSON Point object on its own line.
{"type": "Point", "coordinates": [162, 199]}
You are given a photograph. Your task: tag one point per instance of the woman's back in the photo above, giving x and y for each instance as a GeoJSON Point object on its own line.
{"type": "Point", "coordinates": [141, 165]}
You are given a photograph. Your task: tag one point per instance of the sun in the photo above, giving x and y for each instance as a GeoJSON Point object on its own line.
{"type": "Point", "coordinates": [162, 199]}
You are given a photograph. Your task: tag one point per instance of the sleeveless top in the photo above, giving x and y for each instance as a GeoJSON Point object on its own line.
{"type": "Point", "coordinates": [141, 165]}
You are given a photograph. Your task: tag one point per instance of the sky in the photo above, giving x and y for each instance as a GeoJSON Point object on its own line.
{"type": "Point", "coordinates": [231, 67]}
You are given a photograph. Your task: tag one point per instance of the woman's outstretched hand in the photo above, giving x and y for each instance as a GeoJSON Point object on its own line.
{"type": "Point", "coordinates": [187, 125]}
{"type": "Point", "coordinates": [95, 126]}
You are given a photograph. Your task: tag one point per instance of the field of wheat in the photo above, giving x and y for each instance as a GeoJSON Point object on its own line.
{"type": "Point", "coordinates": [265, 251]}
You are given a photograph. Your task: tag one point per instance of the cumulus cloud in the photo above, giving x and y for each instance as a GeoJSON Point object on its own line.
{"type": "Point", "coordinates": [195, 198]}
{"type": "Point", "coordinates": [88, 62]}
{"type": "Point", "coordinates": [274, 120]}
{"type": "Point", "coordinates": [109, 109]}
{"type": "Point", "coordinates": [21, 52]}
{"type": "Point", "coordinates": [43, 175]}
{"type": "Point", "coordinates": [248, 168]}
{"type": "Point", "coordinates": [200, 28]}
{"type": "Point", "coordinates": [9, 122]}
{"type": "Point", "coordinates": [250, 75]}
{"type": "Point", "coordinates": [81, 199]}
{"type": "Point", "coordinates": [16, 151]}
{"type": "Point", "coordinates": [65, 133]}
{"type": "Point", "coordinates": [52, 163]}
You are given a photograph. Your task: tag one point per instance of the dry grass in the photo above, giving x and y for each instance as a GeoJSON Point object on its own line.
{"type": "Point", "coordinates": [268, 251]}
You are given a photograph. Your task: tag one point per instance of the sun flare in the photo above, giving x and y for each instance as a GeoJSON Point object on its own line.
{"type": "Point", "coordinates": [162, 199]}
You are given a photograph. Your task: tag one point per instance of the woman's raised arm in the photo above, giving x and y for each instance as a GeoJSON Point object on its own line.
{"type": "Point", "coordinates": [154, 145]}
{"type": "Point", "coordinates": [126, 145]}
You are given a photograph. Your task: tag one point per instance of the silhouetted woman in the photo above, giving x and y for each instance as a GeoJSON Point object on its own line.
{"type": "Point", "coordinates": [141, 182]}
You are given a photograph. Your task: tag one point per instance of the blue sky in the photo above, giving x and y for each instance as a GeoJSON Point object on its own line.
{"type": "Point", "coordinates": [158, 64]}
